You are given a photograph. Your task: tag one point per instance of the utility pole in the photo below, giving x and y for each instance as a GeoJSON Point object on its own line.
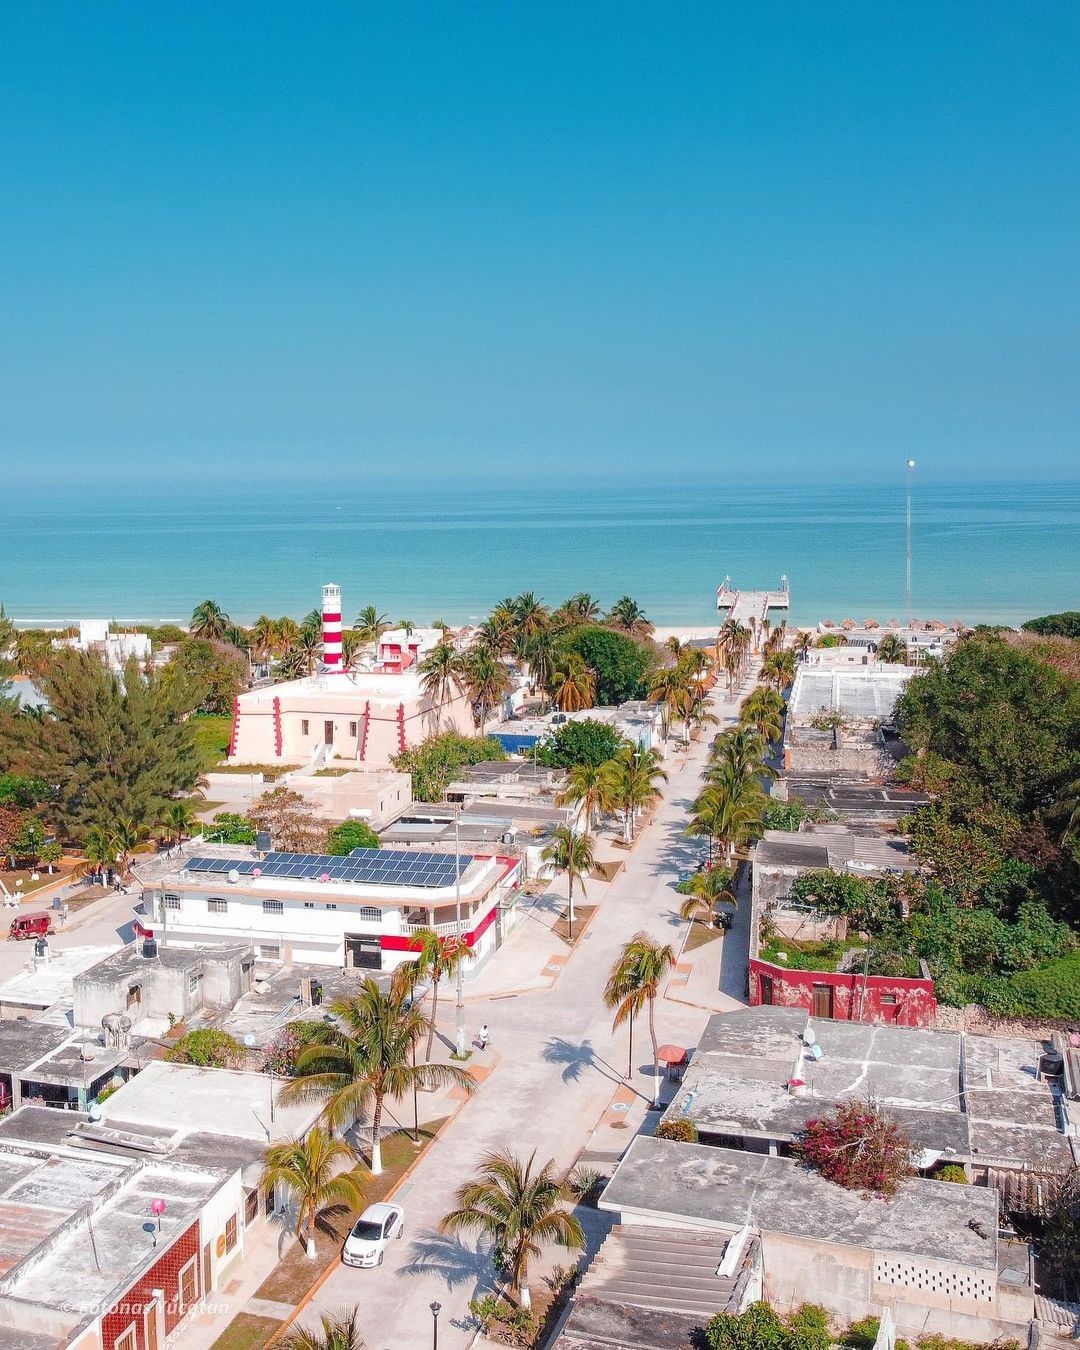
{"type": "Point", "coordinates": [457, 909]}
{"type": "Point", "coordinates": [910, 472]}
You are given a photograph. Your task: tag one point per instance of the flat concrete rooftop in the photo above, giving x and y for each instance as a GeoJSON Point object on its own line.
{"type": "Point", "coordinates": [863, 693]}
{"type": "Point", "coordinates": [726, 1188]}
{"type": "Point", "coordinates": [209, 1101]}
{"type": "Point", "coordinates": [736, 1082]}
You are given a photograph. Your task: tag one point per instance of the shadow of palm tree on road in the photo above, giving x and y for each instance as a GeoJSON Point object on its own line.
{"type": "Point", "coordinates": [576, 1057]}
{"type": "Point", "coordinates": [435, 1253]}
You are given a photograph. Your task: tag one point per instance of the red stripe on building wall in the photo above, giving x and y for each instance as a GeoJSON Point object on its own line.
{"type": "Point", "coordinates": [277, 726]}
{"type": "Point", "coordinates": [235, 727]}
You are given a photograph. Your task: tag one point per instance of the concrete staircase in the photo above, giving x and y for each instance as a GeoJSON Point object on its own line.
{"type": "Point", "coordinates": [670, 1269]}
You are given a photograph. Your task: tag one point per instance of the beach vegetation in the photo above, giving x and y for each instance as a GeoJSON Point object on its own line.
{"type": "Point", "coordinates": [573, 686]}
{"type": "Point", "coordinates": [435, 762]}
{"type": "Point", "coordinates": [572, 855]}
{"type": "Point", "coordinates": [703, 891]}
{"type": "Point", "coordinates": [9, 703]}
{"type": "Point", "coordinates": [580, 742]}
{"type": "Point", "coordinates": [443, 674]}
{"type": "Point", "coordinates": [487, 681]}
{"type": "Point", "coordinates": [369, 625]}
{"type": "Point", "coordinates": [1066, 624]}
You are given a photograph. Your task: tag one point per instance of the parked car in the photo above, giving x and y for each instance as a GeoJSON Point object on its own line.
{"type": "Point", "coordinates": [371, 1234]}
{"type": "Point", "coordinates": [724, 919]}
{"type": "Point", "coordinates": [31, 926]}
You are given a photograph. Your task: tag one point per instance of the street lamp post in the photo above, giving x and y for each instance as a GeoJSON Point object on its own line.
{"type": "Point", "coordinates": [457, 926]}
{"type": "Point", "coordinates": [436, 1309]}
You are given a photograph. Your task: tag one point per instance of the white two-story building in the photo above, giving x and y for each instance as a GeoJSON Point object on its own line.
{"type": "Point", "coordinates": [363, 910]}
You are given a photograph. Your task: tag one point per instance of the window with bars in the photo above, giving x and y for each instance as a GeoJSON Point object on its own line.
{"type": "Point", "coordinates": [369, 913]}
{"type": "Point", "coordinates": [218, 906]}
{"type": "Point", "coordinates": [273, 907]}
{"type": "Point", "coordinates": [230, 1232]}
{"type": "Point", "coordinates": [171, 901]}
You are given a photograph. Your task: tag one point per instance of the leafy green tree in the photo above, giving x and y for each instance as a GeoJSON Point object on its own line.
{"type": "Point", "coordinates": [314, 1171]}
{"type": "Point", "coordinates": [215, 668]}
{"type": "Point", "coordinates": [1006, 720]}
{"type": "Point", "coordinates": [435, 762]}
{"type": "Point", "coordinates": [365, 1056]}
{"type": "Point", "coordinates": [350, 834]}
{"type": "Point", "coordinates": [1065, 624]}
{"type": "Point", "coordinates": [634, 985]}
{"type": "Point", "coordinates": [111, 746]}
{"type": "Point", "coordinates": [518, 1206]}
{"type": "Point", "coordinates": [580, 742]}
{"type": "Point", "coordinates": [230, 827]}
{"type": "Point", "coordinates": [18, 790]}
{"type": "Point", "coordinates": [622, 666]}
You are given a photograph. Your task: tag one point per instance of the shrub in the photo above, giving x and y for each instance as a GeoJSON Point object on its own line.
{"type": "Point", "coordinates": [435, 761]}
{"type": "Point", "coordinates": [232, 828]}
{"type": "Point", "coordinates": [209, 1048]}
{"type": "Point", "coordinates": [680, 1128]}
{"type": "Point", "coordinates": [952, 1172]}
{"type": "Point", "coordinates": [585, 1185]}
{"type": "Point", "coordinates": [861, 1335]}
{"type": "Point", "coordinates": [858, 1147]}
{"type": "Point", "coordinates": [758, 1328]}
{"type": "Point", "coordinates": [350, 834]}
{"type": "Point", "coordinates": [808, 1328]}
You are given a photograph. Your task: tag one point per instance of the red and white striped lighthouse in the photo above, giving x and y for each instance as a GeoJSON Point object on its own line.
{"type": "Point", "coordinates": [331, 626]}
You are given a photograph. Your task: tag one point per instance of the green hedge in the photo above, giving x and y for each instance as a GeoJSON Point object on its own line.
{"type": "Point", "coordinates": [1052, 990]}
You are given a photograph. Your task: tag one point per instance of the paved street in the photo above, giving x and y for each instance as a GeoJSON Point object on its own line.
{"type": "Point", "coordinates": [560, 1065]}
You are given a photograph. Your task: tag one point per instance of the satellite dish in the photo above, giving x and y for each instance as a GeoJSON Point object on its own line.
{"type": "Point", "coordinates": [234, 875]}
{"type": "Point", "coordinates": [809, 1036]}
{"type": "Point", "coordinates": [94, 1111]}
{"type": "Point", "coordinates": [249, 1041]}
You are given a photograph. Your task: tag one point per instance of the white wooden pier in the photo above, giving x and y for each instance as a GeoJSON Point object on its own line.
{"type": "Point", "coordinates": [742, 606]}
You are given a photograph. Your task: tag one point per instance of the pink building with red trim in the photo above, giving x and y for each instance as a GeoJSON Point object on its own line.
{"type": "Point", "coordinates": [362, 911]}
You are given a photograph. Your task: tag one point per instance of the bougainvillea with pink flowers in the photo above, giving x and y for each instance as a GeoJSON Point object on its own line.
{"type": "Point", "coordinates": [859, 1147]}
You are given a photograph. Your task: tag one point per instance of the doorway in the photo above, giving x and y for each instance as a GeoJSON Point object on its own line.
{"type": "Point", "coordinates": [328, 733]}
{"type": "Point", "coordinates": [767, 990]}
{"type": "Point", "coordinates": [363, 953]}
{"type": "Point", "coordinates": [151, 1325]}
{"type": "Point", "coordinates": [823, 1000]}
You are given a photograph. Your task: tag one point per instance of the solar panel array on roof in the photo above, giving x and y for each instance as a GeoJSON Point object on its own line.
{"type": "Point", "coordinates": [384, 866]}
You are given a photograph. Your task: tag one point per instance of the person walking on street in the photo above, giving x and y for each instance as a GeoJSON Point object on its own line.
{"type": "Point", "coordinates": [482, 1037]}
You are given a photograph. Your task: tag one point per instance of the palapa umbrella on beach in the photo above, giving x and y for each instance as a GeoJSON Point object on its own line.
{"type": "Point", "coordinates": [870, 623]}
{"type": "Point", "coordinates": [848, 625]}
{"type": "Point", "coordinates": [827, 623]}
{"type": "Point", "coordinates": [937, 626]}
{"type": "Point", "coordinates": [894, 623]}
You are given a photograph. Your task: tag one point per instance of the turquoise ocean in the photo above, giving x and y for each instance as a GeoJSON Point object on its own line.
{"type": "Point", "coordinates": [1003, 551]}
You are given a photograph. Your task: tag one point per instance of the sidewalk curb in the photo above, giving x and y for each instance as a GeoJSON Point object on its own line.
{"type": "Point", "coordinates": [332, 1267]}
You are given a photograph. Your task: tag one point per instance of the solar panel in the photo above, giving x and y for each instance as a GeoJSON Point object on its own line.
{"type": "Point", "coordinates": [393, 867]}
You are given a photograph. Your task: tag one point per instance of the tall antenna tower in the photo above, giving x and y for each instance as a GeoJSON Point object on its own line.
{"type": "Point", "coordinates": [910, 475]}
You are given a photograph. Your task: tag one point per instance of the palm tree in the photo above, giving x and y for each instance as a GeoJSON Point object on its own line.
{"type": "Point", "coordinates": [892, 647]}
{"type": "Point", "coordinates": [178, 818]}
{"type": "Point", "coordinates": [530, 615]}
{"type": "Point", "coordinates": [707, 888]}
{"type": "Point", "coordinates": [311, 1169]}
{"type": "Point", "coordinates": [407, 627]}
{"type": "Point", "coordinates": [99, 849]}
{"type": "Point", "coordinates": [539, 652]}
{"type": "Point", "coordinates": [365, 1054]}
{"type": "Point", "coordinates": [286, 635]}
{"type": "Point", "coordinates": [486, 679]}
{"type": "Point", "coordinates": [728, 812]}
{"type": "Point", "coordinates": [437, 959]}
{"type": "Point", "coordinates": [741, 753]}
{"type": "Point", "coordinates": [127, 834]}
{"type": "Point", "coordinates": [236, 637]}
{"type": "Point", "coordinates": [571, 853]}
{"type": "Point", "coordinates": [1067, 810]}
{"type": "Point", "coordinates": [574, 686]}
{"type": "Point", "coordinates": [351, 645]}
{"type": "Point", "coordinates": [582, 608]}
{"type": "Point", "coordinates": [628, 615]}
{"type": "Point", "coordinates": [312, 622]}
{"type": "Point", "coordinates": [632, 782]}
{"type": "Point", "coordinates": [443, 673]}
{"type": "Point", "coordinates": [370, 624]}
{"type": "Point", "coordinates": [264, 637]}
{"type": "Point", "coordinates": [339, 1329]}
{"type": "Point", "coordinates": [778, 668]}
{"type": "Point", "coordinates": [763, 712]}
{"type": "Point", "coordinates": [588, 784]}
{"type": "Point", "coordinates": [804, 640]}
{"type": "Point", "coordinates": [495, 635]}
{"type": "Point", "coordinates": [308, 649]}
{"type": "Point", "coordinates": [516, 1205]}
{"type": "Point", "coordinates": [671, 686]}
{"type": "Point", "coordinates": [634, 983]}
{"type": "Point", "coordinates": [293, 665]}
{"type": "Point", "coordinates": [209, 620]}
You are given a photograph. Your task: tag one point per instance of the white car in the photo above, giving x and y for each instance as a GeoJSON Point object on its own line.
{"type": "Point", "coordinates": [371, 1233]}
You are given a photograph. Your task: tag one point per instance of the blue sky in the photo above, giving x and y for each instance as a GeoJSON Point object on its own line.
{"type": "Point", "coordinates": [609, 241]}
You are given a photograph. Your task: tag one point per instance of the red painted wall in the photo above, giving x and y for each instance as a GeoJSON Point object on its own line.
{"type": "Point", "coordinates": [163, 1274]}
{"type": "Point", "coordinates": [855, 999]}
